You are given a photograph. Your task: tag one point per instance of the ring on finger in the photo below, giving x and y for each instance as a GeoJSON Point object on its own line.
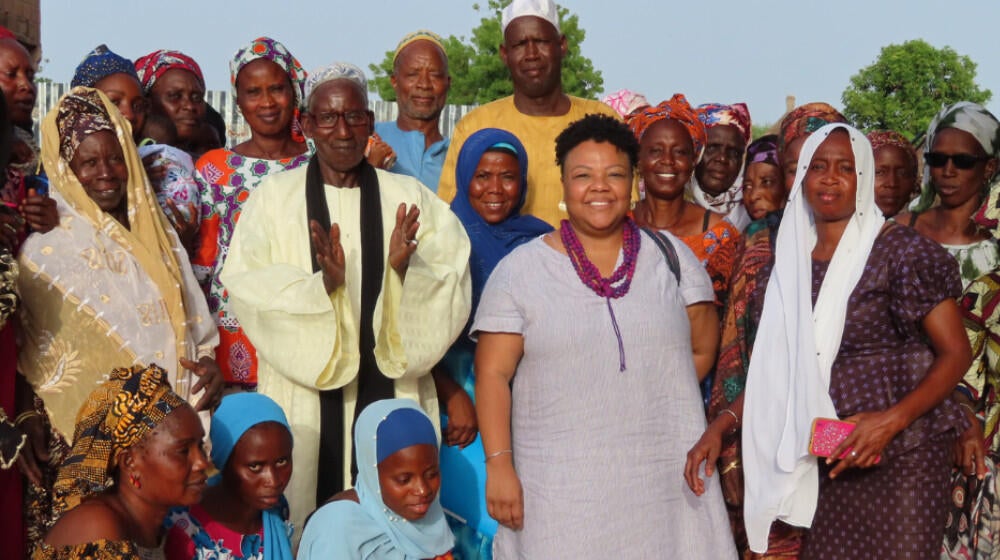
{"type": "Point", "coordinates": [854, 453]}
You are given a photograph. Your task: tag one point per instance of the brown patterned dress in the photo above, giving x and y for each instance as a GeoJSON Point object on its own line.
{"type": "Point", "coordinates": [896, 509]}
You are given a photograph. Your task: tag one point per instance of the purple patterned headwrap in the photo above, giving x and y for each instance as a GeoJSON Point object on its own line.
{"type": "Point", "coordinates": [764, 150]}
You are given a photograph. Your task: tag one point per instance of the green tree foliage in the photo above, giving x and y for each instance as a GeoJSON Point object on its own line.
{"type": "Point", "coordinates": [904, 88]}
{"type": "Point", "coordinates": [478, 75]}
{"type": "Point", "coordinates": [758, 130]}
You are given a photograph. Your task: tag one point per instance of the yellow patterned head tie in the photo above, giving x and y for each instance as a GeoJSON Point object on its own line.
{"type": "Point", "coordinates": [419, 35]}
{"type": "Point", "coordinates": [116, 416]}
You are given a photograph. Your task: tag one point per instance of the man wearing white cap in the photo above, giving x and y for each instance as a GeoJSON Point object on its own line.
{"type": "Point", "coordinates": [533, 49]}
{"type": "Point", "coordinates": [351, 282]}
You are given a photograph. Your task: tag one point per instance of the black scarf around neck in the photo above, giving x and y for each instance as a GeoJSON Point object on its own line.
{"type": "Point", "coordinates": [372, 384]}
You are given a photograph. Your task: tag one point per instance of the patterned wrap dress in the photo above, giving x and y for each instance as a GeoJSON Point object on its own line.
{"type": "Point", "coordinates": [225, 180]}
{"type": "Point", "coordinates": [895, 509]}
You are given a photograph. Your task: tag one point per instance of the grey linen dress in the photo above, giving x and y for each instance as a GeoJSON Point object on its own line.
{"type": "Point", "coordinates": [600, 452]}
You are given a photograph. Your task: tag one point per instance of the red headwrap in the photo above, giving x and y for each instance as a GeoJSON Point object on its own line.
{"type": "Point", "coordinates": [882, 138]}
{"type": "Point", "coordinates": [154, 64]}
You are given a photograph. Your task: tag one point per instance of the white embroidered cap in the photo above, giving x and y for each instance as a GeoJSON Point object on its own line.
{"type": "Point", "coordinates": [545, 9]}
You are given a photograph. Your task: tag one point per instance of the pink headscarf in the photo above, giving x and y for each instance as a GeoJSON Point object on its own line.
{"type": "Point", "coordinates": [625, 102]}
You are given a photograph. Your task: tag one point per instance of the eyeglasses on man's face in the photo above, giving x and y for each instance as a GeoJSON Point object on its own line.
{"type": "Point", "coordinates": [329, 119]}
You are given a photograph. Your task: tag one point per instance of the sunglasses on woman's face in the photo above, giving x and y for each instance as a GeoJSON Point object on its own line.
{"type": "Point", "coordinates": [961, 161]}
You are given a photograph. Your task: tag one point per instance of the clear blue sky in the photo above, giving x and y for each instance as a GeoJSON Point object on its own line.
{"type": "Point", "coordinates": [723, 51]}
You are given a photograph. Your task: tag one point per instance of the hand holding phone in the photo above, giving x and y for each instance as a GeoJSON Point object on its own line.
{"type": "Point", "coordinates": [37, 208]}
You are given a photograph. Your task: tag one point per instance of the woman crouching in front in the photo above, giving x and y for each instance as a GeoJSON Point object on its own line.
{"type": "Point", "coordinates": [136, 433]}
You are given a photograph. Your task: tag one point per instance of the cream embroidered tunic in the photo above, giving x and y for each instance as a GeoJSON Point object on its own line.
{"type": "Point", "coordinates": [307, 340]}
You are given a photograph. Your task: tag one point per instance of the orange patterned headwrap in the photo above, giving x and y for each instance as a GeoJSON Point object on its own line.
{"type": "Point", "coordinates": [678, 109]}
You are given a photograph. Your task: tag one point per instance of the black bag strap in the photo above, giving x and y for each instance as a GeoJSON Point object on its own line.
{"type": "Point", "coordinates": [666, 247]}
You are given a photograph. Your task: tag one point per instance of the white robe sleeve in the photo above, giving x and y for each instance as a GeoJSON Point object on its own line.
{"type": "Point", "coordinates": [420, 317]}
{"type": "Point", "coordinates": [305, 334]}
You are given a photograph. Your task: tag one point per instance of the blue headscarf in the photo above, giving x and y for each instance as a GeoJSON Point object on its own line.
{"type": "Point", "coordinates": [490, 243]}
{"type": "Point", "coordinates": [99, 64]}
{"type": "Point", "coordinates": [236, 414]}
{"type": "Point", "coordinates": [402, 428]}
{"type": "Point", "coordinates": [368, 529]}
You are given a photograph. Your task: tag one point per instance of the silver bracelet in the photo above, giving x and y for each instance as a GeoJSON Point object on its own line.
{"type": "Point", "coordinates": [733, 414]}
{"type": "Point", "coordinates": [497, 454]}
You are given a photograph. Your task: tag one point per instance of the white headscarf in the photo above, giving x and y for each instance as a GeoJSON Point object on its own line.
{"type": "Point", "coordinates": [729, 203]}
{"type": "Point", "coordinates": [789, 376]}
{"type": "Point", "coordinates": [967, 117]}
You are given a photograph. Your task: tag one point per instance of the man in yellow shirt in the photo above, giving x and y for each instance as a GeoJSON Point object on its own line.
{"type": "Point", "coordinates": [533, 49]}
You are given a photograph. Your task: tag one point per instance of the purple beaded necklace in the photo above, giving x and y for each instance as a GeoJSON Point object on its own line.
{"type": "Point", "coordinates": [616, 285]}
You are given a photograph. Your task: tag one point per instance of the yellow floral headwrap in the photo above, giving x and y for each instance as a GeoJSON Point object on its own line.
{"type": "Point", "coordinates": [116, 416]}
{"type": "Point", "coordinates": [419, 35]}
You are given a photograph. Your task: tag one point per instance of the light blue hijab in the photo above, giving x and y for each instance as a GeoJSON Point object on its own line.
{"type": "Point", "coordinates": [236, 414]}
{"type": "Point", "coordinates": [369, 530]}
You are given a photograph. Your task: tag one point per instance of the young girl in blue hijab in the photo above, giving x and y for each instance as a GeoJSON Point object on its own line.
{"type": "Point", "coordinates": [243, 513]}
{"type": "Point", "coordinates": [393, 512]}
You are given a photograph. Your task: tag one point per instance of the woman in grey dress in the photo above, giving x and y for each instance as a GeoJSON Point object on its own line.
{"type": "Point", "coordinates": [592, 340]}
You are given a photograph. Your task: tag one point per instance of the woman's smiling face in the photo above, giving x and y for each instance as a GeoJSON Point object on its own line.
{"type": "Point", "coordinates": [666, 159]}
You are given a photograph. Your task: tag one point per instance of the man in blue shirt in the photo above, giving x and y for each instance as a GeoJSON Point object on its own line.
{"type": "Point", "coordinates": [421, 81]}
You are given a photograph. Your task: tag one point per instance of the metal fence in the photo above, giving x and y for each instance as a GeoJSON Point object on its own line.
{"type": "Point", "coordinates": [236, 127]}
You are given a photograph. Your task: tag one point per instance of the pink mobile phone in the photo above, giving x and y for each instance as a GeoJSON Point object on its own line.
{"type": "Point", "coordinates": [827, 434]}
